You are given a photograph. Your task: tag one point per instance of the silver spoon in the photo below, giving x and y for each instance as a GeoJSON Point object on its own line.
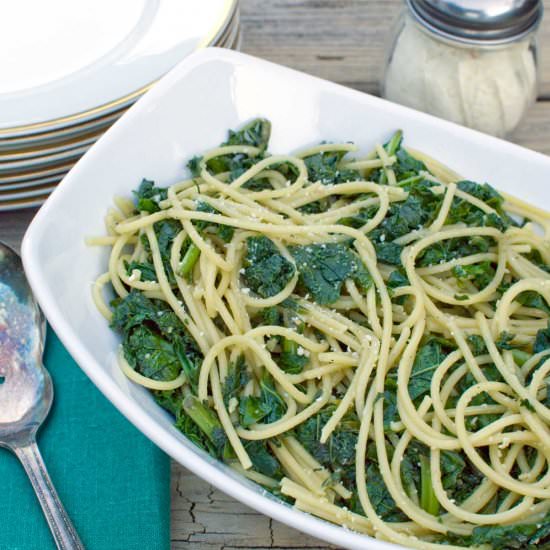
{"type": "Point", "coordinates": [26, 390]}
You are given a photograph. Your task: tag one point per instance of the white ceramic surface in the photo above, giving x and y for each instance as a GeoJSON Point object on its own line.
{"type": "Point", "coordinates": [187, 112]}
{"type": "Point", "coordinates": [116, 49]}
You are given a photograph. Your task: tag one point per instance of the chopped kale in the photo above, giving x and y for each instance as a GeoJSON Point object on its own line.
{"type": "Point", "coordinates": [531, 298]}
{"type": "Point", "coordinates": [146, 269]}
{"type": "Point", "coordinates": [338, 453]}
{"type": "Point", "coordinates": [206, 420]}
{"type": "Point", "coordinates": [266, 270]}
{"type": "Point", "coordinates": [237, 377]}
{"type": "Point", "coordinates": [262, 459]}
{"type": "Point", "coordinates": [271, 400]}
{"type": "Point", "coordinates": [388, 253]}
{"type": "Point", "coordinates": [418, 210]}
{"type": "Point", "coordinates": [397, 278]}
{"type": "Point", "coordinates": [324, 167]}
{"type": "Point", "coordinates": [255, 134]}
{"type": "Point", "coordinates": [293, 358]}
{"type": "Point", "coordinates": [156, 343]}
{"type": "Point", "coordinates": [428, 358]}
{"type": "Point", "coordinates": [147, 196]}
{"type": "Point", "coordinates": [523, 536]}
{"type": "Point", "coordinates": [270, 316]}
{"type": "Point", "coordinates": [504, 341]}
{"type": "Point", "coordinates": [224, 232]}
{"type": "Point", "coordinates": [324, 267]}
{"type": "Point", "coordinates": [380, 497]}
{"type": "Point", "coordinates": [360, 218]}
{"type": "Point", "coordinates": [390, 409]}
{"type": "Point", "coordinates": [252, 410]}
{"type": "Point", "coordinates": [194, 166]}
{"type": "Point", "coordinates": [542, 340]}
{"type": "Point", "coordinates": [151, 355]}
{"type": "Point", "coordinates": [451, 249]}
{"type": "Point", "coordinates": [480, 275]}
{"type": "Point", "coordinates": [165, 233]}
{"type": "Point", "coordinates": [476, 344]}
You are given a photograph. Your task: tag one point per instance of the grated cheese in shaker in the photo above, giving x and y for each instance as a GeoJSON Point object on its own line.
{"type": "Point", "coordinates": [481, 73]}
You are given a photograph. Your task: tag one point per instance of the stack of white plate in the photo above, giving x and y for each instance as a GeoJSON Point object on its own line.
{"type": "Point", "coordinates": [70, 69]}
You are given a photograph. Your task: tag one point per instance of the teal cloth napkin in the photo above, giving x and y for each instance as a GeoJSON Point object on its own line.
{"type": "Point", "coordinates": [114, 483]}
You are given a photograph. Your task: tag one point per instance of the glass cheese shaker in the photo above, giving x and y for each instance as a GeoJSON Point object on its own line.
{"type": "Point", "coordinates": [469, 61]}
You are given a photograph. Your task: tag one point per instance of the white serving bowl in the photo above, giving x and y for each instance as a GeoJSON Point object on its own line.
{"type": "Point", "coordinates": [187, 112]}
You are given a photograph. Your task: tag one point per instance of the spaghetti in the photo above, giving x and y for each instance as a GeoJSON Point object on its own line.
{"type": "Point", "coordinates": [366, 338]}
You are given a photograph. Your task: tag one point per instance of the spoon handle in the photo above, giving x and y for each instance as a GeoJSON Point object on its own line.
{"type": "Point", "coordinates": [61, 526]}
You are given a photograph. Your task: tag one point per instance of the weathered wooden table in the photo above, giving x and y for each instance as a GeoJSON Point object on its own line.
{"type": "Point", "coordinates": [340, 40]}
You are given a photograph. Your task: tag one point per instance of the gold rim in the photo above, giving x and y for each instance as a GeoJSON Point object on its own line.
{"type": "Point", "coordinates": [218, 27]}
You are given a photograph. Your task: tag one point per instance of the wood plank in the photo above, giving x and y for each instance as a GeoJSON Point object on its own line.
{"type": "Point", "coordinates": [340, 40]}
{"type": "Point", "coordinates": [13, 225]}
{"type": "Point", "coordinates": [204, 517]}
{"type": "Point", "coordinates": [534, 131]}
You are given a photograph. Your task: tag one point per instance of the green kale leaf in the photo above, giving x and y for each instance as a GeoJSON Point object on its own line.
{"type": "Point", "coordinates": [262, 459]}
{"type": "Point", "coordinates": [256, 134]}
{"type": "Point", "coordinates": [147, 196]}
{"type": "Point", "coordinates": [514, 537]}
{"type": "Point", "coordinates": [476, 344]}
{"type": "Point", "coordinates": [380, 497]}
{"type": "Point", "coordinates": [339, 451]}
{"type": "Point", "coordinates": [202, 425]}
{"type": "Point", "coordinates": [531, 298]}
{"type": "Point", "coordinates": [323, 167]}
{"type": "Point", "coordinates": [155, 341]}
{"type": "Point", "coordinates": [542, 340]}
{"type": "Point", "coordinates": [324, 267]}
{"type": "Point", "coordinates": [237, 377]}
{"type": "Point", "coordinates": [428, 358]}
{"type": "Point", "coordinates": [146, 269]}
{"type": "Point", "coordinates": [504, 341]}
{"type": "Point", "coordinates": [252, 410]}
{"type": "Point", "coordinates": [224, 232]}
{"type": "Point", "coordinates": [271, 400]}
{"type": "Point", "coordinates": [266, 270]}
{"type": "Point", "coordinates": [480, 275]}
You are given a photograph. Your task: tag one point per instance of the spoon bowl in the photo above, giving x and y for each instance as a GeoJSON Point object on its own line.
{"type": "Point", "coordinates": [26, 389]}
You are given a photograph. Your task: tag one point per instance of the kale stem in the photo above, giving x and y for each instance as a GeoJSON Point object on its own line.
{"type": "Point", "coordinates": [412, 179]}
{"type": "Point", "coordinates": [428, 500]}
{"type": "Point", "coordinates": [202, 416]}
{"type": "Point", "coordinates": [290, 346]}
{"type": "Point", "coordinates": [520, 356]}
{"type": "Point", "coordinates": [189, 260]}
{"type": "Point", "coordinates": [394, 143]}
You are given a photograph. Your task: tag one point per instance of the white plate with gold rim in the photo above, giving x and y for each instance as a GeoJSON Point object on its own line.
{"type": "Point", "coordinates": [41, 162]}
{"type": "Point", "coordinates": [32, 192]}
{"type": "Point", "coordinates": [28, 175]}
{"type": "Point", "coordinates": [66, 133]}
{"type": "Point", "coordinates": [37, 152]}
{"type": "Point", "coordinates": [18, 204]}
{"type": "Point", "coordinates": [117, 50]}
{"type": "Point", "coordinates": [56, 178]}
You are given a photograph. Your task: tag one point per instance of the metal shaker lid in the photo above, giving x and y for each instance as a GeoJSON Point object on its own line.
{"type": "Point", "coordinates": [485, 22]}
